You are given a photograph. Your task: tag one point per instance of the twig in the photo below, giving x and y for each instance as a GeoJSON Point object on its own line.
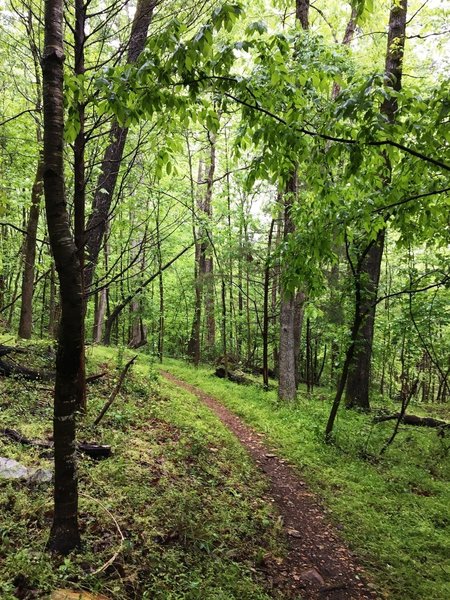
{"type": "Point", "coordinates": [115, 391]}
{"type": "Point", "coordinates": [109, 562]}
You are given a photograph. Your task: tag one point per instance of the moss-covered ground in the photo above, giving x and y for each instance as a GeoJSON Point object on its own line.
{"type": "Point", "coordinates": [184, 494]}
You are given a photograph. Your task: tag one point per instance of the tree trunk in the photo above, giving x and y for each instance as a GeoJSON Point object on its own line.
{"type": "Point", "coordinates": [299, 302]}
{"type": "Point", "coordinates": [286, 360]}
{"type": "Point", "coordinates": [29, 256]}
{"type": "Point", "coordinates": [358, 382]}
{"type": "Point", "coordinates": [64, 535]}
{"type": "Point", "coordinates": [265, 332]}
{"type": "Point", "coordinates": [357, 393]}
{"type": "Point", "coordinates": [79, 196]}
{"type": "Point", "coordinates": [107, 180]}
{"type": "Point", "coordinates": [208, 263]}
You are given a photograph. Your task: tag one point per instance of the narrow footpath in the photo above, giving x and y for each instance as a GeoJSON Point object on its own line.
{"type": "Point", "coordinates": [318, 564]}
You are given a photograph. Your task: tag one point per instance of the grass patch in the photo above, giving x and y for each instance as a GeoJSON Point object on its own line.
{"type": "Point", "coordinates": [187, 498]}
{"type": "Point", "coordinates": [393, 510]}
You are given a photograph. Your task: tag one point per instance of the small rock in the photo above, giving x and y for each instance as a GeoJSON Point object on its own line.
{"type": "Point", "coordinates": [293, 532]}
{"type": "Point", "coordinates": [313, 576]}
{"type": "Point", "coordinates": [270, 455]}
{"type": "Point", "coordinates": [11, 469]}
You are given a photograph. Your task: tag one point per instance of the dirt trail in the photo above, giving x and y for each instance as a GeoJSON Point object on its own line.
{"type": "Point", "coordinates": [318, 564]}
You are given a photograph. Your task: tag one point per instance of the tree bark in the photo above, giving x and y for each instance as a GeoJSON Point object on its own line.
{"type": "Point", "coordinates": [109, 173]}
{"type": "Point", "coordinates": [64, 535]}
{"type": "Point", "coordinates": [79, 196]}
{"type": "Point", "coordinates": [358, 385]}
{"type": "Point", "coordinates": [29, 254]}
{"type": "Point", "coordinates": [287, 389]}
{"type": "Point", "coordinates": [265, 332]}
{"type": "Point", "coordinates": [358, 382]}
{"type": "Point", "coordinates": [208, 262]}
{"type": "Point", "coordinates": [29, 257]}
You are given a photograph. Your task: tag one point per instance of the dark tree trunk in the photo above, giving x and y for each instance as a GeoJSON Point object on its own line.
{"type": "Point", "coordinates": [29, 254]}
{"type": "Point", "coordinates": [357, 393]}
{"type": "Point", "coordinates": [302, 13]}
{"type": "Point", "coordinates": [79, 198]}
{"type": "Point", "coordinates": [107, 180]}
{"type": "Point", "coordinates": [64, 535]}
{"type": "Point", "coordinates": [265, 332]}
{"type": "Point", "coordinates": [286, 360]}
{"type": "Point", "coordinates": [29, 257]}
{"type": "Point", "coordinates": [358, 382]}
{"type": "Point", "coordinates": [194, 343]}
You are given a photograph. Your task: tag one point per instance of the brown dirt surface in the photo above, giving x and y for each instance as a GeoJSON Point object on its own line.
{"type": "Point", "coordinates": [318, 564]}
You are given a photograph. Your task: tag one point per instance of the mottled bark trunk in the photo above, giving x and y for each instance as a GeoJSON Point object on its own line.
{"type": "Point", "coordinates": [64, 535]}
{"type": "Point", "coordinates": [99, 317]}
{"type": "Point", "coordinates": [109, 173]}
{"type": "Point", "coordinates": [286, 359]}
{"type": "Point", "coordinates": [302, 13]}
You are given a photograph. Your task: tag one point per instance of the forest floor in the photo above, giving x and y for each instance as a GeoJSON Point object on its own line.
{"type": "Point", "coordinates": [318, 564]}
{"type": "Point", "coordinates": [194, 508]}
{"type": "Point", "coordinates": [392, 510]}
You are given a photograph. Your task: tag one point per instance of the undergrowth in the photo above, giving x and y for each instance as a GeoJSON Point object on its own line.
{"type": "Point", "coordinates": [394, 509]}
{"type": "Point", "coordinates": [184, 494]}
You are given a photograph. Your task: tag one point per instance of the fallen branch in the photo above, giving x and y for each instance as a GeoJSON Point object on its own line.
{"type": "Point", "coordinates": [115, 391]}
{"type": "Point", "coordinates": [93, 378]}
{"type": "Point", "coordinates": [8, 369]}
{"type": "Point", "coordinates": [412, 420]}
{"type": "Point", "coordinates": [109, 562]}
{"type": "Point", "coordinates": [93, 450]}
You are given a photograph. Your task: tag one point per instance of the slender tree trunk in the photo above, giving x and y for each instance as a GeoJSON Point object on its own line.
{"type": "Point", "coordinates": [29, 256]}
{"type": "Point", "coordinates": [286, 361]}
{"type": "Point", "coordinates": [79, 200]}
{"type": "Point", "coordinates": [209, 259]}
{"type": "Point", "coordinates": [161, 289]}
{"type": "Point", "coordinates": [194, 344]}
{"type": "Point", "coordinates": [64, 535]}
{"type": "Point", "coordinates": [299, 302]}
{"type": "Point", "coordinates": [265, 332]}
{"type": "Point", "coordinates": [109, 173]}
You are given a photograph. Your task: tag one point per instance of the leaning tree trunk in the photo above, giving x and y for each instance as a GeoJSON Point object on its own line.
{"type": "Point", "coordinates": [64, 535]}
{"type": "Point", "coordinates": [109, 172]}
{"type": "Point", "coordinates": [358, 384]}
